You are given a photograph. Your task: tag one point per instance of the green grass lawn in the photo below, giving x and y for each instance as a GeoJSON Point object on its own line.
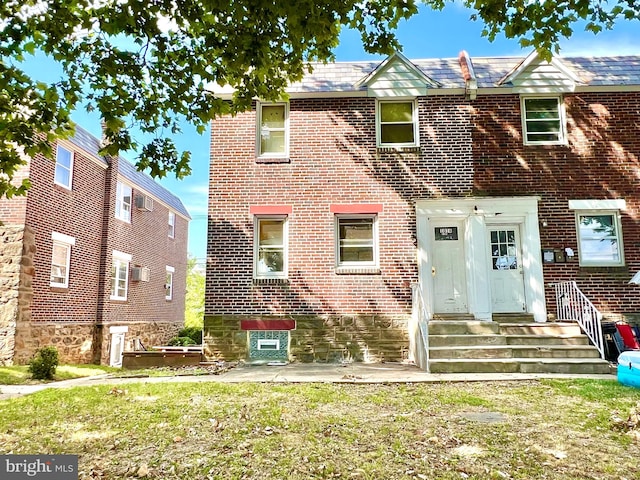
{"type": "Point", "coordinates": [547, 429]}
{"type": "Point", "coordinates": [19, 374]}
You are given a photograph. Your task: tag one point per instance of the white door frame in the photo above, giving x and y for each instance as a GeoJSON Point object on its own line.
{"type": "Point", "coordinates": [115, 358]}
{"type": "Point", "coordinates": [477, 213]}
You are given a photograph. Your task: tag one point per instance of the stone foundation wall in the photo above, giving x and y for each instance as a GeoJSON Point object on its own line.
{"type": "Point", "coordinates": [73, 341]}
{"type": "Point", "coordinates": [17, 247]}
{"type": "Point", "coordinates": [86, 343]}
{"type": "Point", "coordinates": [149, 333]}
{"type": "Point", "coordinates": [360, 338]}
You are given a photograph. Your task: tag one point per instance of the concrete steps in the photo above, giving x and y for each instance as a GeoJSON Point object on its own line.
{"type": "Point", "coordinates": [511, 344]}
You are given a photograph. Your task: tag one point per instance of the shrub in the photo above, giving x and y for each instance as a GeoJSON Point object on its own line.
{"type": "Point", "coordinates": [194, 333]}
{"type": "Point", "coordinates": [43, 364]}
{"type": "Point", "coordinates": [181, 342]}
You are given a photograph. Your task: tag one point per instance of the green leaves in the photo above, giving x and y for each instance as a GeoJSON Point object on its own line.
{"type": "Point", "coordinates": [145, 66]}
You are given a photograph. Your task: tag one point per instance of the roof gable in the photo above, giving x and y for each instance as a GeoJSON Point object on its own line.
{"type": "Point", "coordinates": [535, 75]}
{"type": "Point", "coordinates": [397, 77]}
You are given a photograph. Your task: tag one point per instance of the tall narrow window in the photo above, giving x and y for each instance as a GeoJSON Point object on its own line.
{"type": "Point", "coordinates": [543, 120]}
{"type": "Point", "coordinates": [397, 123]}
{"type": "Point", "coordinates": [356, 244]}
{"type": "Point", "coordinates": [168, 285]}
{"type": "Point", "coordinates": [172, 225]}
{"type": "Point", "coordinates": [119, 275]}
{"type": "Point", "coordinates": [60, 259]}
{"type": "Point", "coordinates": [273, 134]}
{"type": "Point", "coordinates": [270, 257]}
{"type": "Point", "coordinates": [123, 202]}
{"type": "Point", "coordinates": [64, 167]}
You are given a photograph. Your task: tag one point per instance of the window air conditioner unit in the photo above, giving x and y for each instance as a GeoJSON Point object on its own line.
{"type": "Point", "coordinates": [144, 202]}
{"type": "Point", "coordinates": [140, 274]}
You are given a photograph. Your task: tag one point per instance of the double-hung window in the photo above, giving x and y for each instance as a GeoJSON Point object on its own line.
{"type": "Point", "coordinates": [270, 247]}
{"type": "Point", "coordinates": [60, 259]}
{"type": "Point", "coordinates": [119, 275]}
{"type": "Point", "coordinates": [599, 232]}
{"type": "Point", "coordinates": [543, 120]}
{"type": "Point", "coordinates": [356, 241]}
{"type": "Point", "coordinates": [123, 202]}
{"type": "Point", "coordinates": [172, 225]}
{"type": "Point", "coordinates": [273, 129]}
{"type": "Point", "coordinates": [64, 167]}
{"type": "Point", "coordinates": [397, 123]}
{"type": "Point", "coordinates": [168, 285]}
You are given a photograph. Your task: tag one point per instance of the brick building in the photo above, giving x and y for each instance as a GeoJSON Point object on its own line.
{"type": "Point", "coordinates": [484, 182]}
{"type": "Point", "coordinates": [92, 259]}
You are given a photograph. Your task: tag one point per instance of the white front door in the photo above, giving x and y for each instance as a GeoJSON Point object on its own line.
{"type": "Point", "coordinates": [448, 267]}
{"type": "Point", "coordinates": [506, 275]}
{"type": "Point", "coordinates": [117, 347]}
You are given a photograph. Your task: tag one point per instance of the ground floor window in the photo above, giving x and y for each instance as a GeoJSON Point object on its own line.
{"type": "Point", "coordinates": [356, 241]}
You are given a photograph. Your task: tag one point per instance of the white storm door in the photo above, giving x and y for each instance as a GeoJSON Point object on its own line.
{"type": "Point", "coordinates": [448, 267]}
{"type": "Point", "coordinates": [117, 347]}
{"type": "Point", "coordinates": [506, 275]}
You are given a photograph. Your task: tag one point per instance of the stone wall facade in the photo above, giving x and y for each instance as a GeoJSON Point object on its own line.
{"type": "Point", "coordinates": [325, 338]}
{"type": "Point", "coordinates": [17, 247]}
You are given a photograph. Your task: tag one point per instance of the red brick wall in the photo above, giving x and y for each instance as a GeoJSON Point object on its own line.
{"type": "Point", "coordinates": [77, 213]}
{"type": "Point", "coordinates": [333, 160]}
{"type": "Point", "coordinates": [13, 211]}
{"type": "Point", "coordinates": [146, 238]}
{"type": "Point", "coordinates": [601, 161]}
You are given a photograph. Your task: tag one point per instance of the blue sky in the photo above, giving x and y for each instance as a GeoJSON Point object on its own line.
{"type": "Point", "coordinates": [429, 34]}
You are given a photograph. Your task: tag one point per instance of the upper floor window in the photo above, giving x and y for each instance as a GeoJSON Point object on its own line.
{"type": "Point", "coordinates": [270, 250]}
{"type": "Point", "coordinates": [64, 167]}
{"type": "Point", "coordinates": [123, 202]}
{"type": "Point", "coordinates": [599, 231]}
{"type": "Point", "coordinates": [357, 241]}
{"type": "Point", "coordinates": [273, 129]}
{"type": "Point", "coordinates": [119, 275]}
{"type": "Point", "coordinates": [168, 285]}
{"type": "Point", "coordinates": [397, 123]}
{"type": "Point", "coordinates": [543, 120]}
{"type": "Point", "coordinates": [60, 259]}
{"type": "Point", "coordinates": [172, 225]}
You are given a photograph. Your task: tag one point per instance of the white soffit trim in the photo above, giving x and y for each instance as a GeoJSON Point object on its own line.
{"type": "Point", "coordinates": [534, 75]}
{"type": "Point", "coordinates": [619, 204]}
{"type": "Point", "coordinates": [61, 237]}
{"type": "Point", "coordinates": [397, 58]}
{"type": "Point", "coordinates": [119, 329]}
{"type": "Point", "coordinates": [72, 147]}
{"type": "Point", "coordinates": [121, 255]}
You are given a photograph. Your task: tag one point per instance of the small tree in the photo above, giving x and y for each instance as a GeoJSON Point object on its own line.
{"type": "Point", "coordinates": [194, 301]}
{"type": "Point", "coordinates": [44, 363]}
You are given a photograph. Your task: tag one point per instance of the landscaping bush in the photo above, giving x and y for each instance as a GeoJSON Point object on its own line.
{"type": "Point", "coordinates": [43, 364]}
{"type": "Point", "coordinates": [194, 333]}
{"type": "Point", "coordinates": [182, 342]}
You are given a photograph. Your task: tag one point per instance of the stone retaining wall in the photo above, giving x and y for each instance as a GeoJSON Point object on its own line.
{"type": "Point", "coordinates": [361, 338]}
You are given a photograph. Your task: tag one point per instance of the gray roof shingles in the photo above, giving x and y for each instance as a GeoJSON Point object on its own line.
{"type": "Point", "coordinates": [594, 71]}
{"type": "Point", "coordinates": [91, 145]}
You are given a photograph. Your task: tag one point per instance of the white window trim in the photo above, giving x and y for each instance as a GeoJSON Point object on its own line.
{"type": "Point", "coordinates": [256, 246]}
{"type": "Point", "coordinates": [618, 227]}
{"type": "Point", "coordinates": [120, 202]}
{"type": "Point", "coordinates": [562, 140]}
{"type": "Point", "coordinates": [172, 224]}
{"type": "Point", "coordinates": [66, 241]}
{"type": "Point", "coordinates": [416, 124]}
{"type": "Point", "coordinates": [376, 242]}
{"type": "Point", "coordinates": [121, 258]}
{"type": "Point", "coordinates": [259, 106]}
{"type": "Point", "coordinates": [169, 286]}
{"type": "Point", "coordinates": [71, 161]}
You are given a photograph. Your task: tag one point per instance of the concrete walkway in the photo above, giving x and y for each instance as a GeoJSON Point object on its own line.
{"type": "Point", "coordinates": [354, 373]}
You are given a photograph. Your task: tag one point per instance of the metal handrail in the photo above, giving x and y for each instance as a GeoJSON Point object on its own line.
{"type": "Point", "coordinates": [421, 319]}
{"type": "Point", "coordinates": [573, 305]}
